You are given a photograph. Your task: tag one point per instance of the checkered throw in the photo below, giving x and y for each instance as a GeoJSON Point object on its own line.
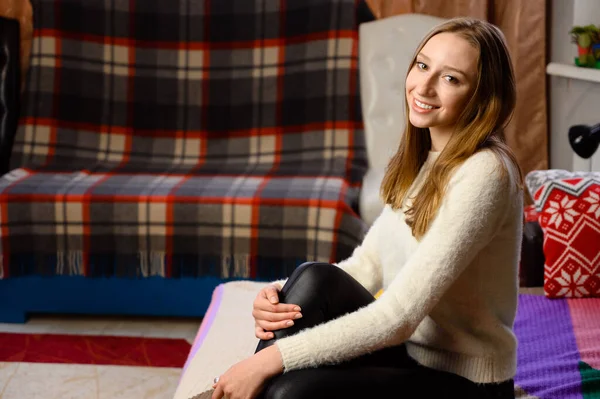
{"type": "Point", "coordinates": [186, 138]}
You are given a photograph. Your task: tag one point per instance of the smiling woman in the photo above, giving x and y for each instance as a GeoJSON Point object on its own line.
{"type": "Point", "coordinates": [460, 95]}
{"type": "Point", "coordinates": [444, 250]}
{"type": "Point", "coordinates": [439, 86]}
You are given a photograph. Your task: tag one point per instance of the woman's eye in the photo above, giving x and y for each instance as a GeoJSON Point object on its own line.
{"type": "Point", "coordinates": [451, 79]}
{"type": "Point", "coordinates": [421, 65]}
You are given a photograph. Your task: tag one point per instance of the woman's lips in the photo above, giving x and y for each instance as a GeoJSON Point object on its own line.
{"type": "Point", "coordinates": [415, 106]}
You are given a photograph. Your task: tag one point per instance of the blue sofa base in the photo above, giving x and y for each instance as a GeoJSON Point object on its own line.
{"type": "Point", "coordinates": [152, 296]}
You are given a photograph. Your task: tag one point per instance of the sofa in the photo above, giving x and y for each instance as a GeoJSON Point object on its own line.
{"type": "Point", "coordinates": [161, 148]}
{"type": "Point", "coordinates": [145, 163]}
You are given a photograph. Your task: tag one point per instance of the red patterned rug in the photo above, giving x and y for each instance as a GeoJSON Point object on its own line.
{"type": "Point", "coordinates": [92, 349]}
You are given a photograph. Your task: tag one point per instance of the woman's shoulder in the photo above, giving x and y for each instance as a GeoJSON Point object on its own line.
{"type": "Point", "coordinates": [489, 167]}
{"type": "Point", "coordinates": [486, 158]}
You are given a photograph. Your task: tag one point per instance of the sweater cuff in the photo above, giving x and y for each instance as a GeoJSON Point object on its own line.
{"type": "Point", "coordinates": [294, 354]}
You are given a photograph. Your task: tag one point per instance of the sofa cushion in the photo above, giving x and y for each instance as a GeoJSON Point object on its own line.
{"type": "Point", "coordinates": [535, 179]}
{"type": "Point", "coordinates": [225, 337]}
{"type": "Point", "coordinates": [172, 225]}
{"type": "Point", "coordinates": [569, 215]}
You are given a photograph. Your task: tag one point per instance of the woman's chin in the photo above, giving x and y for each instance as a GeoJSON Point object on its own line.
{"type": "Point", "coordinates": [418, 122]}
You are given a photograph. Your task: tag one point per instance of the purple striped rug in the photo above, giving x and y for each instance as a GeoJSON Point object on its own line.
{"type": "Point", "coordinates": [558, 338]}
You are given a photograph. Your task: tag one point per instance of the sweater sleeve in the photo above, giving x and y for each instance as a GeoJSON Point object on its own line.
{"type": "Point", "coordinates": [467, 220]}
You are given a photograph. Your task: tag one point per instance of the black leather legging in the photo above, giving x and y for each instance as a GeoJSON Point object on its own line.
{"type": "Point", "coordinates": [325, 292]}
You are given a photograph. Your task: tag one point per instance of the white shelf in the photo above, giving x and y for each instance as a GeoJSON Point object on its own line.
{"type": "Point", "coordinates": [573, 72]}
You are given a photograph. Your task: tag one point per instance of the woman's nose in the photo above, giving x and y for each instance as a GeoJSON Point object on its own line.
{"type": "Point", "coordinates": [426, 87]}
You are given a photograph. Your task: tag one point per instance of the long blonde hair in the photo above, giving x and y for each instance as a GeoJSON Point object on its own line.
{"type": "Point", "coordinates": [480, 126]}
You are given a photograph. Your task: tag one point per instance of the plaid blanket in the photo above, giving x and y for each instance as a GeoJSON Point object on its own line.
{"type": "Point", "coordinates": [186, 138]}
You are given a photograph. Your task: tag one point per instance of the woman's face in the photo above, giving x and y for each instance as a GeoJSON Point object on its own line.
{"type": "Point", "coordinates": [441, 82]}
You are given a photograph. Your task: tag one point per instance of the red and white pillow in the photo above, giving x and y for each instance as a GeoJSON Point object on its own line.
{"type": "Point", "coordinates": [568, 207]}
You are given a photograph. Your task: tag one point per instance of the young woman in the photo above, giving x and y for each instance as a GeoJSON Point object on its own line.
{"type": "Point", "coordinates": [444, 251]}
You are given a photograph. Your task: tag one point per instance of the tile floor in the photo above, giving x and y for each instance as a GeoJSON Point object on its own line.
{"type": "Point", "coordinates": [66, 381]}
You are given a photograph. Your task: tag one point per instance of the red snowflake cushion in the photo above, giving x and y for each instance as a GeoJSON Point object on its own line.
{"type": "Point", "coordinates": [569, 214]}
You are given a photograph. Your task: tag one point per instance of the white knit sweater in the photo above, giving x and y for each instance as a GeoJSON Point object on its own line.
{"type": "Point", "coordinates": [451, 297]}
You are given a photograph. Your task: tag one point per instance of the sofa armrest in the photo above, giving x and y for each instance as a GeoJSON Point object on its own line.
{"type": "Point", "coordinates": [9, 88]}
{"type": "Point", "coordinates": [531, 270]}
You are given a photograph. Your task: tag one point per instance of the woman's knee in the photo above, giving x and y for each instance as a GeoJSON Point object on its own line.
{"type": "Point", "coordinates": [311, 275]}
{"type": "Point", "coordinates": [326, 286]}
{"type": "Point", "coordinates": [306, 288]}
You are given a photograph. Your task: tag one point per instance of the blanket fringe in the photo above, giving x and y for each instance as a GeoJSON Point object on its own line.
{"type": "Point", "coordinates": [235, 266]}
{"type": "Point", "coordinates": [153, 263]}
{"type": "Point", "coordinates": [69, 262]}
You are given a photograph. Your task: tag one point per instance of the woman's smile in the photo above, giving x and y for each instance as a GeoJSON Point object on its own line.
{"type": "Point", "coordinates": [423, 107]}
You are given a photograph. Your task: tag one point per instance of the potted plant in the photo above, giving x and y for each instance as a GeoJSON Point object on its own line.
{"type": "Point", "coordinates": [585, 37]}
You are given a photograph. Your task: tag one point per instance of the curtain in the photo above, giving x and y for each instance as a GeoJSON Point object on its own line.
{"type": "Point", "coordinates": [523, 22]}
{"type": "Point", "coordinates": [21, 11]}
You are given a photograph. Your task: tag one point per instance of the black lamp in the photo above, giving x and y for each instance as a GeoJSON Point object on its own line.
{"type": "Point", "coordinates": [584, 139]}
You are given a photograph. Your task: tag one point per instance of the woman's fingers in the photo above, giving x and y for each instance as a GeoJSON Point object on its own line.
{"type": "Point", "coordinates": [262, 334]}
{"type": "Point", "coordinates": [274, 325]}
{"type": "Point", "coordinates": [275, 316]}
{"type": "Point", "coordinates": [271, 293]}
{"type": "Point", "coordinates": [218, 392]}
{"type": "Point", "coordinates": [264, 305]}
{"type": "Point", "coordinates": [270, 315]}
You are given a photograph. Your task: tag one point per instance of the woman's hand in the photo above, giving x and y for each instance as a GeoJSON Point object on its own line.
{"type": "Point", "coordinates": [270, 315]}
{"type": "Point", "coordinates": [246, 379]}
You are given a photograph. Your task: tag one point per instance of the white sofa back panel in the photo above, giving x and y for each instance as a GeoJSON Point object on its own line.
{"type": "Point", "coordinates": [386, 48]}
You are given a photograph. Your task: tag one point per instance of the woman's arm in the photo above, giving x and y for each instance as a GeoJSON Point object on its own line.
{"type": "Point", "coordinates": [471, 212]}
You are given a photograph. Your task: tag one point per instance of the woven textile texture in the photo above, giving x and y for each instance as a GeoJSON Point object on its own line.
{"type": "Point", "coordinates": [186, 138]}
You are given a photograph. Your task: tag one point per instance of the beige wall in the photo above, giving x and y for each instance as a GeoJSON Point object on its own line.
{"type": "Point", "coordinates": [572, 101]}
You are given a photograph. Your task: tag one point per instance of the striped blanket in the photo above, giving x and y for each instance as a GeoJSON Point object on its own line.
{"type": "Point", "coordinates": [186, 138]}
{"type": "Point", "coordinates": [559, 348]}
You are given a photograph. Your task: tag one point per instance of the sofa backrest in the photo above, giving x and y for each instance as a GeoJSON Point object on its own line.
{"type": "Point", "coordinates": [178, 85]}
